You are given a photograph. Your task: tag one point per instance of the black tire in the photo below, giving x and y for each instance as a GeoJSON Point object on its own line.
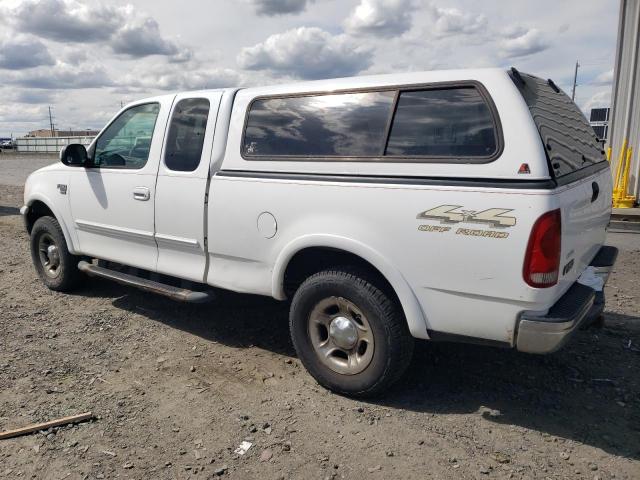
{"type": "Point", "coordinates": [392, 345]}
{"type": "Point", "coordinates": [63, 278]}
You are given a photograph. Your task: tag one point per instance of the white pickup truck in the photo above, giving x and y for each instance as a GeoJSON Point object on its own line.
{"type": "Point", "coordinates": [466, 205]}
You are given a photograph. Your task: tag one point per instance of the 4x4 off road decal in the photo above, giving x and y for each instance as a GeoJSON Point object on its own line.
{"type": "Point", "coordinates": [448, 214]}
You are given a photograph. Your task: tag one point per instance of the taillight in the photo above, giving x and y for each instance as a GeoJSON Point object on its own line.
{"type": "Point", "coordinates": [542, 260]}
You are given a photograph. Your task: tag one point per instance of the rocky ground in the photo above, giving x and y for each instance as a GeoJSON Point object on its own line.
{"type": "Point", "coordinates": [176, 389]}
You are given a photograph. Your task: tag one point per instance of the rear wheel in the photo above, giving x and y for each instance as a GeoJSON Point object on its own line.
{"type": "Point", "coordinates": [349, 332]}
{"type": "Point", "coordinates": [56, 267]}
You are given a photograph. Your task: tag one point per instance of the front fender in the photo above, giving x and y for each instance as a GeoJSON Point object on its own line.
{"type": "Point", "coordinates": [39, 196]}
{"type": "Point", "coordinates": [409, 303]}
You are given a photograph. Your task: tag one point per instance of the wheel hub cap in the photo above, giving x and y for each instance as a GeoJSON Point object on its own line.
{"type": "Point", "coordinates": [49, 255]}
{"type": "Point", "coordinates": [53, 256]}
{"type": "Point", "coordinates": [343, 332]}
{"type": "Point", "coordinates": [341, 335]}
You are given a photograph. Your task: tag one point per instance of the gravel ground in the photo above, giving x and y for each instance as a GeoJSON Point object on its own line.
{"type": "Point", "coordinates": [176, 388]}
{"type": "Point", "coordinates": [15, 168]}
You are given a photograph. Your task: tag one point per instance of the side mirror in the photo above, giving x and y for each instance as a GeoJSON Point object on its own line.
{"type": "Point", "coordinates": [74, 155]}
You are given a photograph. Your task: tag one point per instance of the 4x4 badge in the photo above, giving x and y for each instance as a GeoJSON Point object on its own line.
{"type": "Point", "coordinates": [450, 214]}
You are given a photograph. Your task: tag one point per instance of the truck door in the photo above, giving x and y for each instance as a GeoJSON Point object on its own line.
{"type": "Point", "coordinates": [182, 185]}
{"type": "Point", "coordinates": [112, 198]}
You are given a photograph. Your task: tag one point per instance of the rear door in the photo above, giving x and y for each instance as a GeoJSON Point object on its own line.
{"type": "Point", "coordinates": [578, 164]}
{"type": "Point", "coordinates": [181, 188]}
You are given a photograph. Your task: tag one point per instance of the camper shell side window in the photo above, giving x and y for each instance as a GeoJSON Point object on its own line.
{"type": "Point", "coordinates": [444, 122]}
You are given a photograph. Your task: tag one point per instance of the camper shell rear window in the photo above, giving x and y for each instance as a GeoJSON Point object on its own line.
{"type": "Point", "coordinates": [446, 123]}
{"type": "Point", "coordinates": [570, 143]}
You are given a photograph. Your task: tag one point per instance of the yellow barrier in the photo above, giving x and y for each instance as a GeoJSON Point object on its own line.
{"type": "Point", "coordinates": [621, 182]}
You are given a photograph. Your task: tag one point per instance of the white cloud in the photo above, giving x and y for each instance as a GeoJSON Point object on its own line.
{"type": "Point", "coordinates": [142, 38]}
{"type": "Point", "coordinates": [183, 77]}
{"type": "Point", "coordinates": [66, 20]}
{"type": "Point", "coordinates": [279, 7]}
{"type": "Point", "coordinates": [605, 78]}
{"type": "Point", "coordinates": [124, 29]}
{"type": "Point", "coordinates": [25, 114]}
{"type": "Point", "coordinates": [599, 99]}
{"type": "Point", "coordinates": [34, 96]}
{"type": "Point", "coordinates": [74, 56]}
{"type": "Point", "coordinates": [61, 76]}
{"type": "Point", "coordinates": [386, 18]}
{"type": "Point", "coordinates": [451, 21]}
{"type": "Point", "coordinates": [521, 42]}
{"type": "Point", "coordinates": [20, 53]}
{"type": "Point", "coordinates": [307, 52]}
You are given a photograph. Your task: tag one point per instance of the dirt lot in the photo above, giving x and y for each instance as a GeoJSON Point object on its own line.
{"type": "Point", "coordinates": [176, 389]}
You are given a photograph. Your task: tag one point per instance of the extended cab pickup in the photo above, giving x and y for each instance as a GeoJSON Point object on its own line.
{"type": "Point", "coordinates": [465, 205]}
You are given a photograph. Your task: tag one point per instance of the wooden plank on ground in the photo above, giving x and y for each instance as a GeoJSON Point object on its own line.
{"type": "Point", "coordinates": [45, 425]}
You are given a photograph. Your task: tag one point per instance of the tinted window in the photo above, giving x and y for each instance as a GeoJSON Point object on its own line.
{"type": "Point", "coordinates": [126, 142]}
{"type": "Point", "coordinates": [186, 134]}
{"type": "Point", "coordinates": [349, 124]}
{"type": "Point", "coordinates": [453, 122]}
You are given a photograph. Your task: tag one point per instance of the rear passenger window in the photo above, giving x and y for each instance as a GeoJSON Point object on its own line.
{"type": "Point", "coordinates": [186, 134]}
{"type": "Point", "coordinates": [343, 125]}
{"type": "Point", "coordinates": [452, 122]}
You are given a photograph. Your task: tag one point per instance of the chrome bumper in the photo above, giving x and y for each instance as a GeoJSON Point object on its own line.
{"type": "Point", "coordinates": [579, 306]}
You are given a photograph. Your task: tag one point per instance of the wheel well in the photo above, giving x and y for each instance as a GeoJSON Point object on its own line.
{"type": "Point", "coordinates": [311, 260]}
{"type": "Point", "coordinates": [36, 210]}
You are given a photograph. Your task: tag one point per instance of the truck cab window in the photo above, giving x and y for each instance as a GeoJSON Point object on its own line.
{"type": "Point", "coordinates": [186, 134]}
{"type": "Point", "coordinates": [127, 141]}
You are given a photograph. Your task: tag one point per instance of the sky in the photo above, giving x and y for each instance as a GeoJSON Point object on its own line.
{"type": "Point", "coordinates": [86, 58]}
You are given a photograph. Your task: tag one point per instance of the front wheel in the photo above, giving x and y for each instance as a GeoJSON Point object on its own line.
{"type": "Point", "coordinates": [349, 333]}
{"type": "Point", "coordinates": [56, 267]}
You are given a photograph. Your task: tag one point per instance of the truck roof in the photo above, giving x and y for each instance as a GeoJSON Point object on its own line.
{"type": "Point", "coordinates": [385, 79]}
{"type": "Point", "coordinates": [363, 81]}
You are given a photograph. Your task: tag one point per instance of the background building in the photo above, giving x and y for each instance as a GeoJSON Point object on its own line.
{"type": "Point", "coordinates": [46, 132]}
{"type": "Point", "coordinates": [624, 129]}
{"type": "Point", "coordinates": [41, 141]}
{"type": "Point", "coordinates": [49, 144]}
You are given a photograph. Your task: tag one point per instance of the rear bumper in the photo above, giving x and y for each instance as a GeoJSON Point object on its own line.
{"type": "Point", "coordinates": [579, 306]}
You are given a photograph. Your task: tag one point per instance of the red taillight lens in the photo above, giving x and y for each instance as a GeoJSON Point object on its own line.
{"type": "Point", "coordinates": [542, 260]}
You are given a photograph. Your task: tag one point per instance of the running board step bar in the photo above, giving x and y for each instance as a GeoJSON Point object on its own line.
{"type": "Point", "coordinates": [175, 293]}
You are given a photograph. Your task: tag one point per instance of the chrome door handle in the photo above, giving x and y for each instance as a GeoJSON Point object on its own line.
{"type": "Point", "coordinates": [141, 193]}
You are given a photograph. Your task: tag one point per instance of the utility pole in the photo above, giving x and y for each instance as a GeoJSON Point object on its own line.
{"type": "Point", "coordinates": [575, 79]}
{"type": "Point", "coordinates": [51, 125]}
